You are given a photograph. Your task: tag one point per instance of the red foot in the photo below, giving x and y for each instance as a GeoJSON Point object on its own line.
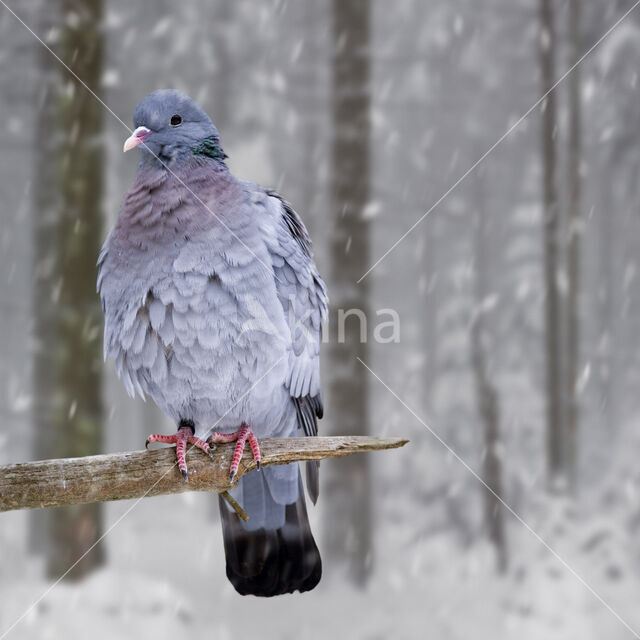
{"type": "Point", "coordinates": [243, 434]}
{"type": "Point", "coordinates": [180, 439]}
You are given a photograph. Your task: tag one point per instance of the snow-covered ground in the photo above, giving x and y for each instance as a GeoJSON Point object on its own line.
{"type": "Point", "coordinates": [156, 586]}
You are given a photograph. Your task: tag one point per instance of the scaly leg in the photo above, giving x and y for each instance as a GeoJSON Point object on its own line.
{"type": "Point", "coordinates": [184, 435]}
{"type": "Point", "coordinates": [243, 434]}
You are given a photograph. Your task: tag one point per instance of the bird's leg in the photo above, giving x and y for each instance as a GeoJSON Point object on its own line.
{"type": "Point", "coordinates": [240, 436]}
{"type": "Point", "coordinates": [185, 435]}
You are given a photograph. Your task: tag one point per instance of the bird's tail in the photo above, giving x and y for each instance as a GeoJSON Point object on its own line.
{"type": "Point", "coordinates": [270, 562]}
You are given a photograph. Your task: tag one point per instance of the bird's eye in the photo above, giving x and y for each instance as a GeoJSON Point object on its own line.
{"type": "Point", "coordinates": [176, 120]}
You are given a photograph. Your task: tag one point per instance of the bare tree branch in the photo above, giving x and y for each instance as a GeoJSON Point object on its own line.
{"type": "Point", "coordinates": [139, 474]}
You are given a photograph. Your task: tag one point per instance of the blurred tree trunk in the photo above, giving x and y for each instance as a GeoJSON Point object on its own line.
{"type": "Point", "coordinates": [572, 372]}
{"type": "Point", "coordinates": [486, 392]}
{"type": "Point", "coordinates": [348, 532]}
{"type": "Point", "coordinates": [555, 444]}
{"type": "Point", "coordinates": [76, 416]}
{"type": "Point", "coordinates": [45, 208]}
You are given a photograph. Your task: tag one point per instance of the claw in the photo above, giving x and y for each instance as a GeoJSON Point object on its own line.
{"type": "Point", "coordinates": [146, 443]}
{"type": "Point", "coordinates": [241, 436]}
{"type": "Point", "coordinates": [185, 435]}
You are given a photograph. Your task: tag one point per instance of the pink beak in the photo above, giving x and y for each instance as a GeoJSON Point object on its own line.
{"type": "Point", "coordinates": [136, 138]}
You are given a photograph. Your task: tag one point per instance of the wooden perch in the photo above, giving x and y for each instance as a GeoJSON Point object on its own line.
{"type": "Point", "coordinates": [138, 474]}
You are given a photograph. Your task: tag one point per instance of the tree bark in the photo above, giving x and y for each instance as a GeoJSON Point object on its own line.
{"type": "Point", "coordinates": [574, 249]}
{"type": "Point", "coordinates": [139, 474]}
{"type": "Point", "coordinates": [555, 445]}
{"type": "Point", "coordinates": [44, 218]}
{"type": "Point", "coordinates": [349, 534]}
{"type": "Point", "coordinates": [76, 419]}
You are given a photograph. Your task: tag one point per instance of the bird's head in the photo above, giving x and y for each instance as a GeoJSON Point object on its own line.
{"type": "Point", "coordinates": [170, 125]}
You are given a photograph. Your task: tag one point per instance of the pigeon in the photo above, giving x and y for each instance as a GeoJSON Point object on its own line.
{"type": "Point", "coordinates": [213, 307]}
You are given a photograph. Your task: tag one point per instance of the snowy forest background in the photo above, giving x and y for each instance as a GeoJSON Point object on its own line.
{"type": "Point", "coordinates": [518, 298]}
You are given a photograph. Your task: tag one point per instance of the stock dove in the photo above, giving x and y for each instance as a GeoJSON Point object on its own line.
{"type": "Point", "coordinates": [213, 307]}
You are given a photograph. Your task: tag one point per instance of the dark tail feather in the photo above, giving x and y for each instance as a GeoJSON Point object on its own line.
{"type": "Point", "coordinates": [312, 468]}
{"type": "Point", "coordinates": [308, 410]}
{"type": "Point", "coordinates": [271, 562]}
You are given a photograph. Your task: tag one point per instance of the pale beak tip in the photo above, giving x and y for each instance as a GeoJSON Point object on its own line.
{"type": "Point", "coordinates": [136, 138]}
{"type": "Point", "coordinates": [130, 143]}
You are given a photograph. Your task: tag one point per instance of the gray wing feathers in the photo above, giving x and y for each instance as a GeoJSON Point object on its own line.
{"type": "Point", "coordinates": [303, 296]}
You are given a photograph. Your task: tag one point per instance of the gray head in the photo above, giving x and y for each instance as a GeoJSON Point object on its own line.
{"type": "Point", "coordinates": [170, 126]}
